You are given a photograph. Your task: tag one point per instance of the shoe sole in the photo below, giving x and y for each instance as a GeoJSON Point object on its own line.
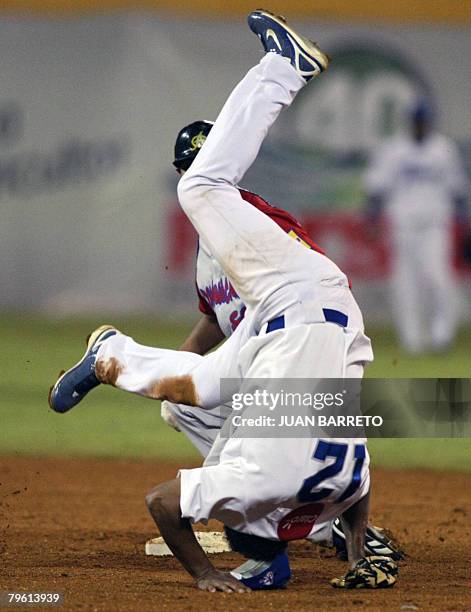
{"type": "Point", "coordinates": [308, 46]}
{"type": "Point", "coordinates": [91, 339]}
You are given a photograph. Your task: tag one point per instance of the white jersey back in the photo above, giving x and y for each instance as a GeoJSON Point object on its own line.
{"type": "Point", "coordinates": [417, 179]}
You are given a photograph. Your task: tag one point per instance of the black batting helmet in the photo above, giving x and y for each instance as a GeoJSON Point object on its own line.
{"type": "Point", "coordinates": [189, 141]}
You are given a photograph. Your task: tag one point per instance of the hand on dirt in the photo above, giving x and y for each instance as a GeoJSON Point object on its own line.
{"type": "Point", "coordinates": [221, 581]}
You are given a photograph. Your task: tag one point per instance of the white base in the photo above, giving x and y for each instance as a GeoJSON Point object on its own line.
{"type": "Point", "coordinates": [212, 542]}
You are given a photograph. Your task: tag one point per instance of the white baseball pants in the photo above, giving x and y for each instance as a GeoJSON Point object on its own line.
{"type": "Point", "coordinates": [424, 292]}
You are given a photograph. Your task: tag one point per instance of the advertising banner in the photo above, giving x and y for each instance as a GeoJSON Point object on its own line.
{"type": "Point", "coordinates": [89, 110]}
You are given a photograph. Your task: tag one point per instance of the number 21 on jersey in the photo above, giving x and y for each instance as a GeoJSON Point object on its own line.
{"type": "Point", "coordinates": [338, 452]}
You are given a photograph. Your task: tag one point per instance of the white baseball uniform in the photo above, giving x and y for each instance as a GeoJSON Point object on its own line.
{"type": "Point", "coordinates": [418, 181]}
{"type": "Point", "coordinates": [219, 299]}
{"type": "Point", "coordinates": [262, 486]}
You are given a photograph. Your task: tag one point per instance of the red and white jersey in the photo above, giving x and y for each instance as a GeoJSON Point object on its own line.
{"type": "Point", "coordinates": [217, 297]}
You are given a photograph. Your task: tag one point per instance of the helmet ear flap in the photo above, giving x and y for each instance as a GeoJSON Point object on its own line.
{"type": "Point", "coordinates": [183, 164]}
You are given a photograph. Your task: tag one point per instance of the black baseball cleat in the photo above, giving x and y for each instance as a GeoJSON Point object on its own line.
{"type": "Point", "coordinates": [376, 543]}
{"type": "Point", "coordinates": [278, 37]}
{"type": "Point", "coordinates": [72, 385]}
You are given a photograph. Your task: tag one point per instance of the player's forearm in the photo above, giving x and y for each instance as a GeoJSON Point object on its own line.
{"type": "Point", "coordinates": [164, 506]}
{"type": "Point", "coordinates": [204, 336]}
{"type": "Point", "coordinates": [181, 540]}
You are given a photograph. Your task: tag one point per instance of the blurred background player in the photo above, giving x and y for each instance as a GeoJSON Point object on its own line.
{"type": "Point", "coordinates": [418, 180]}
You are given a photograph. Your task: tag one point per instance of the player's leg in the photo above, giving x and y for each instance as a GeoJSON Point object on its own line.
{"type": "Point", "coordinates": [354, 522]}
{"type": "Point", "coordinates": [200, 426]}
{"type": "Point", "coordinates": [377, 542]}
{"type": "Point", "coordinates": [242, 239]}
{"type": "Point", "coordinates": [368, 568]}
{"type": "Point", "coordinates": [178, 376]}
{"type": "Point", "coordinates": [322, 534]}
{"type": "Point", "coordinates": [407, 290]}
{"type": "Point", "coordinates": [365, 571]}
{"type": "Point", "coordinates": [440, 282]}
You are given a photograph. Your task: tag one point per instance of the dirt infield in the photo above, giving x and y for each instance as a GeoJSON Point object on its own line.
{"type": "Point", "coordinates": [79, 527]}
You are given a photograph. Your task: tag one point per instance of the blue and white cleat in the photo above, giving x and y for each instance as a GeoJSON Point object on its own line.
{"type": "Point", "coordinates": [72, 386]}
{"type": "Point", "coordinates": [277, 37]}
{"type": "Point", "coordinates": [262, 575]}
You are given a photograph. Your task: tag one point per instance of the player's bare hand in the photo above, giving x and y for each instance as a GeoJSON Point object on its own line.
{"type": "Point", "coordinates": [221, 581]}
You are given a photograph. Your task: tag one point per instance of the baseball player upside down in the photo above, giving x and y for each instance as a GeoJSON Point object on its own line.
{"type": "Point", "coordinates": [301, 321]}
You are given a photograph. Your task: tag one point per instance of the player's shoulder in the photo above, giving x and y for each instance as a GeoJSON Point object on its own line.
{"type": "Point", "coordinates": [269, 209]}
{"type": "Point", "coordinates": [281, 217]}
{"type": "Point", "coordinates": [255, 199]}
{"type": "Point", "coordinates": [391, 147]}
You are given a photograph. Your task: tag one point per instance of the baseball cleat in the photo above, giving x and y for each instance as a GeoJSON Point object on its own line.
{"type": "Point", "coordinates": [278, 37]}
{"type": "Point", "coordinates": [376, 543]}
{"type": "Point", "coordinates": [369, 573]}
{"type": "Point", "coordinates": [263, 575]}
{"type": "Point", "coordinates": [74, 384]}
